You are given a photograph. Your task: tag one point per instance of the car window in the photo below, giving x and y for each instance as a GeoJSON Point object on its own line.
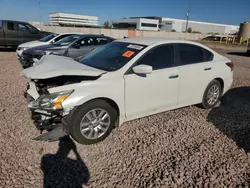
{"type": "Point", "coordinates": [10, 26]}
{"type": "Point", "coordinates": [208, 56]}
{"type": "Point", "coordinates": [22, 27]}
{"type": "Point", "coordinates": [1, 24]}
{"type": "Point", "coordinates": [112, 56]}
{"type": "Point", "coordinates": [48, 37]}
{"type": "Point", "coordinates": [190, 54]}
{"type": "Point", "coordinates": [61, 37]}
{"type": "Point", "coordinates": [102, 40]}
{"type": "Point", "coordinates": [67, 40]}
{"type": "Point", "coordinates": [160, 57]}
{"type": "Point", "coordinates": [86, 41]}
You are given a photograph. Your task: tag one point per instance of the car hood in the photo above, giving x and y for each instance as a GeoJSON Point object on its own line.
{"type": "Point", "coordinates": [31, 44]}
{"type": "Point", "coordinates": [53, 66]}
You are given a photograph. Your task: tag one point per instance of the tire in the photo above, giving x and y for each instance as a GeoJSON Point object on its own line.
{"type": "Point", "coordinates": [205, 101]}
{"type": "Point", "coordinates": [83, 112]}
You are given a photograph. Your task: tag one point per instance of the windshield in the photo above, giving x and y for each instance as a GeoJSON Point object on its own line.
{"type": "Point", "coordinates": [67, 40]}
{"type": "Point", "coordinates": [112, 56]}
{"type": "Point", "coordinates": [48, 37]}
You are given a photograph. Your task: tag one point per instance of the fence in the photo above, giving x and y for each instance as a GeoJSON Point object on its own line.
{"type": "Point", "coordinates": [118, 34]}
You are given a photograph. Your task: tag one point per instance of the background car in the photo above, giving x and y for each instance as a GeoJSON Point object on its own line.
{"type": "Point", "coordinates": [49, 39]}
{"type": "Point", "coordinates": [14, 33]}
{"type": "Point", "coordinates": [72, 46]}
{"type": "Point", "coordinates": [212, 38]}
{"type": "Point", "coordinates": [124, 80]}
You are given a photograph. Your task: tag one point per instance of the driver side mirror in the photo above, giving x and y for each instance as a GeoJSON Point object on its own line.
{"type": "Point", "coordinates": [142, 69]}
{"type": "Point", "coordinates": [52, 42]}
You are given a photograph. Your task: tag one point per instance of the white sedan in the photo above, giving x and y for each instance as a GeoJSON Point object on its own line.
{"type": "Point", "coordinates": [122, 81]}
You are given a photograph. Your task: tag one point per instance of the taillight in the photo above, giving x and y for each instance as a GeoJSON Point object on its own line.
{"type": "Point", "coordinates": [230, 65]}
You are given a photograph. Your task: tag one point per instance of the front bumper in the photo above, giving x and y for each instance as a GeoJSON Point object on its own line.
{"type": "Point", "coordinates": [54, 122]}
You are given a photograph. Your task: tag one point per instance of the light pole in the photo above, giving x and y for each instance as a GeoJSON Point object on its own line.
{"type": "Point", "coordinates": [187, 21]}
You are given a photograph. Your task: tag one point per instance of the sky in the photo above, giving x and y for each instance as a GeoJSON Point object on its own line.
{"type": "Point", "coordinates": [231, 12]}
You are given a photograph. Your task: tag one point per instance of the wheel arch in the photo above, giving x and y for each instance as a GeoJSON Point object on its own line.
{"type": "Point", "coordinates": [221, 81]}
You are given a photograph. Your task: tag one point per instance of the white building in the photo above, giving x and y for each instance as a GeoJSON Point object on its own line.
{"type": "Point", "coordinates": [64, 19]}
{"type": "Point", "coordinates": [169, 24]}
{"type": "Point", "coordinates": [137, 23]}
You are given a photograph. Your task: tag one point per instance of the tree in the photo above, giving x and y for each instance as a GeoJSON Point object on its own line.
{"type": "Point", "coordinates": [107, 25]}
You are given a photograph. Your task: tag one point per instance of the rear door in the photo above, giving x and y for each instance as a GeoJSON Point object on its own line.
{"type": "Point", "coordinates": [12, 36]}
{"type": "Point", "coordinates": [196, 71]}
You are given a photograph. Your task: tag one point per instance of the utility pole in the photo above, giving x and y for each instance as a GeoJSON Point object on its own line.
{"type": "Point", "coordinates": [187, 15]}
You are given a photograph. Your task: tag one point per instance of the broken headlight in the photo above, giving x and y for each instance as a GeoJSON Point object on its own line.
{"type": "Point", "coordinates": [51, 102]}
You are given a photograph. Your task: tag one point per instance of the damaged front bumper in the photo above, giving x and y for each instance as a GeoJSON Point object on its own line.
{"type": "Point", "coordinates": [53, 122]}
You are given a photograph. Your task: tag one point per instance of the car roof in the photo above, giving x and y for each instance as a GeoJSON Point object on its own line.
{"type": "Point", "coordinates": [153, 40]}
{"type": "Point", "coordinates": [73, 33]}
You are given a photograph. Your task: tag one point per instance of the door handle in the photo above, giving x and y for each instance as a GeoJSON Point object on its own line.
{"type": "Point", "coordinates": [206, 69]}
{"type": "Point", "coordinates": [173, 76]}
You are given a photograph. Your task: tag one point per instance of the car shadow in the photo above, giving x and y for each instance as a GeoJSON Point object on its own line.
{"type": "Point", "coordinates": [238, 54]}
{"type": "Point", "coordinates": [61, 171]}
{"type": "Point", "coordinates": [7, 49]}
{"type": "Point", "coordinates": [233, 116]}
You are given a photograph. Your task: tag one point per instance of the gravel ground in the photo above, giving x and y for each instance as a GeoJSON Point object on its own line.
{"type": "Point", "coordinates": [181, 148]}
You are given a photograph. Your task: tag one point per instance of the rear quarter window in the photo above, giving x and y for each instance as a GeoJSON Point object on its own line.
{"type": "Point", "coordinates": [208, 56]}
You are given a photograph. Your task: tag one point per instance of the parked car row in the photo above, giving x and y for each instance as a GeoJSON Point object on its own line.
{"type": "Point", "coordinates": [73, 46]}
{"type": "Point", "coordinates": [119, 81]}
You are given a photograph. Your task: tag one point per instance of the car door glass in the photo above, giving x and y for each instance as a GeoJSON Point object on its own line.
{"type": "Point", "coordinates": [190, 54]}
{"type": "Point", "coordinates": [101, 41]}
{"type": "Point", "coordinates": [160, 57]}
{"type": "Point", "coordinates": [10, 26]}
{"type": "Point", "coordinates": [208, 56]}
{"type": "Point", "coordinates": [22, 27]}
{"type": "Point", "coordinates": [86, 42]}
{"type": "Point", "coordinates": [60, 37]}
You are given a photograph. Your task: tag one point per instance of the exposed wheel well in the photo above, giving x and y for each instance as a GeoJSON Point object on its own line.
{"type": "Point", "coordinates": [221, 83]}
{"type": "Point", "coordinates": [111, 102]}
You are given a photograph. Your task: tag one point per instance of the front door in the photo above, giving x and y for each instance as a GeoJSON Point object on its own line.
{"type": "Point", "coordinates": [81, 47]}
{"type": "Point", "coordinates": [25, 32]}
{"type": "Point", "coordinates": [151, 93]}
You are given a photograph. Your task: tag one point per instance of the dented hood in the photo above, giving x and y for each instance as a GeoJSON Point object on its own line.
{"type": "Point", "coordinates": [53, 66]}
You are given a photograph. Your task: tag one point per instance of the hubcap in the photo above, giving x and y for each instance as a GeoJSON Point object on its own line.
{"type": "Point", "coordinates": [95, 123]}
{"type": "Point", "coordinates": [213, 95]}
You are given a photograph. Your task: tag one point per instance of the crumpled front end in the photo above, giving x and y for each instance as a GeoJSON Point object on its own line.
{"type": "Point", "coordinates": [49, 120]}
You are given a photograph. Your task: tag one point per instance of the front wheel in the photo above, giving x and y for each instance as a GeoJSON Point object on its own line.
{"type": "Point", "coordinates": [212, 94]}
{"type": "Point", "coordinates": [93, 122]}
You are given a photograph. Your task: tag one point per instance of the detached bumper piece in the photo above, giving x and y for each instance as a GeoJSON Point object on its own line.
{"type": "Point", "coordinates": [56, 134]}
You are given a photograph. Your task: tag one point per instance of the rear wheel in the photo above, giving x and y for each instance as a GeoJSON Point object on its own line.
{"type": "Point", "coordinates": [93, 122]}
{"type": "Point", "coordinates": [212, 94]}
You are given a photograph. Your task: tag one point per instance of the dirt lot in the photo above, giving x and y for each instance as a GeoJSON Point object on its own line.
{"type": "Point", "coordinates": [181, 148]}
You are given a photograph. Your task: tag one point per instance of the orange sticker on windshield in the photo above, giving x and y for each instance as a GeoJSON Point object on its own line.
{"type": "Point", "coordinates": [128, 54]}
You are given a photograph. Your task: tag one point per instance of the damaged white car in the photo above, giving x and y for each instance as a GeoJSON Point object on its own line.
{"type": "Point", "coordinates": [122, 81]}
